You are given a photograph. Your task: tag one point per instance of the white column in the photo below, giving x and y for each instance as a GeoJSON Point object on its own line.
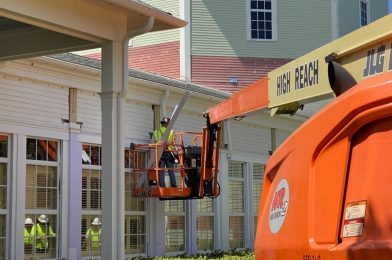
{"type": "Point", "coordinates": [112, 153]}
{"type": "Point", "coordinates": [185, 42]}
{"type": "Point", "coordinates": [156, 227]}
{"type": "Point", "coordinates": [75, 194]}
{"type": "Point", "coordinates": [249, 220]}
{"type": "Point", "coordinates": [190, 229]}
{"type": "Point", "coordinates": [20, 178]}
{"type": "Point", "coordinates": [221, 219]}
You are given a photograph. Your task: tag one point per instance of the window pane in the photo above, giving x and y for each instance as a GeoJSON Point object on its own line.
{"type": "Point", "coordinates": [268, 5]}
{"type": "Point", "coordinates": [236, 196]}
{"type": "Point", "coordinates": [30, 198]}
{"type": "Point", "coordinates": [261, 25]}
{"type": "Point", "coordinates": [255, 35]}
{"type": "Point", "coordinates": [31, 177]}
{"type": "Point", "coordinates": [52, 199]}
{"type": "Point", "coordinates": [175, 233]}
{"type": "Point", "coordinates": [31, 149]}
{"type": "Point", "coordinates": [52, 151]}
{"type": "Point", "coordinates": [253, 4]}
{"type": "Point", "coordinates": [236, 232]}
{"type": "Point", "coordinates": [174, 206]}
{"type": "Point", "coordinates": [2, 227]}
{"type": "Point", "coordinates": [42, 241]}
{"type": "Point", "coordinates": [41, 176]}
{"type": "Point", "coordinates": [42, 148]}
{"type": "Point", "coordinates": [261, 16]}
{"type": "Point", "coordinates": [3, 186]}
{"type": "Point", "coordinates": [254, 25]}
{"type": "Point", "coordinates": [261, 5]}
{"type": "Point", "coordinates": [268, 35]}
{"type": "Point", "coordinates": [127, 164]}
{"type": "Point", "coordinates": [268, 16]}
{"type": "Point", "coordinates": [52, 176]}
{"type": "Point", "coordinates": [134, 234]}
{"type": "Point", "coordinates": [2, 236]}
{"type": "Point", "coordinates": [3, 197]}
{"type": "Point", "coordinates": [91, 235]}
{"type": "Point", "coordinates": [235, 169]}
{"type": "Point", "coordinates": [205, 232]}
{"type": "Point", "coordinates": [254, 16]}
{"type": "Point", "coordinates": [205, 205]}
{"type": "Point", "coordinates": [268, 25]}
{"type": "Point", "coordinates": [3, 145]}
{"type": "Point", "coordinates": [41, 198]}
{"type": "Point", "coordinates": [95, 155]}
{"type": "Point", "coordinates": [85, 154]}
{"type": "Point", "coordinates": [3, 174]}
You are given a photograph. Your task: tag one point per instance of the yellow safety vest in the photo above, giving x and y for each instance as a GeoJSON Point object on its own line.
{"type": "Point", "coordinates": [94, 238]}
{"type": "Point", "coordinates": [158, 137]}
{"type": "Point", "coordinates": [42, 241]}
{"type": "Point", "coordinates": [28, 238]}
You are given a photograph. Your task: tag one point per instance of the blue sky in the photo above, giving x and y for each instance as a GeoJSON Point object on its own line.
{"type": "Point", "coordinates": [390, 5]}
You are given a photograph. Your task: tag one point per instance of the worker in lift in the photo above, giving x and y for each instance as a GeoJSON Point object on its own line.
{"type": "Point", "coordinates": [167, 158]}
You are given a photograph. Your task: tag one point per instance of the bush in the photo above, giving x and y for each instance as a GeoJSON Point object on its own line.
{"type": "Point", "coordinates": [246, 254]}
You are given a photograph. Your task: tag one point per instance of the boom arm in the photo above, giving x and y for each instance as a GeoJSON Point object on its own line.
{"type": "Point", "coordinates": [249, 99]}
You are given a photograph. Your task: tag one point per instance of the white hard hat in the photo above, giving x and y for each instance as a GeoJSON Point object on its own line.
{"type": "Point", "coordinates": [96, 222]}
{"type": "Point", "coordinates": [29, 221]}
{"type": "Point", "coordinates": [43, 219]}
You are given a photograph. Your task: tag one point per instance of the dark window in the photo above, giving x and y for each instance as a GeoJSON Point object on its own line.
{"type": "Point", "coordinates": [364, 13]}
{"type": "Point", "coordinates": [261, 19]}
{"type": "Point", "coordinates": [3, 146]}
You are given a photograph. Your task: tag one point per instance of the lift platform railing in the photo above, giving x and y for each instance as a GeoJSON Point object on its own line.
{"type": "Point", "coordinates": [193, 181]}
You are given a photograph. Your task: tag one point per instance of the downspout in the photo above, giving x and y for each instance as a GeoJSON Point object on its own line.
{"type": "Point", "coordinates": [163, 103]}
{"type": "Point", "coordinates": [120, 125]}
{"type": "Point", "coordinates": [131, 34]}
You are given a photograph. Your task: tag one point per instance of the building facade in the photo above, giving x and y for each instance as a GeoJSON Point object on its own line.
{"type": "Point", "coordinates": [51, 167]}
{"type": "Point", "coordinates": [229, 44]}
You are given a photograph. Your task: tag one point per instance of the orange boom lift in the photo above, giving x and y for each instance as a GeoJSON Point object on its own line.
{"type": "Point", "coordinates": [326, 190]}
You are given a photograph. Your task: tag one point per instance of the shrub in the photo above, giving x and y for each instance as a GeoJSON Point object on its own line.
{"type": "Point", "coordinates": [246, 254]}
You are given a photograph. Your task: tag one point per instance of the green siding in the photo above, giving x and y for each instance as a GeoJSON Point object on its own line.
{"type": "Point", "coordinates": [170, 6]}
{"type": "Point", "coordinates": [349, 14]}
{"type": "Point", "coordinates": [378, 9]}
{"type": "Point", "coordinates": [219, 28]}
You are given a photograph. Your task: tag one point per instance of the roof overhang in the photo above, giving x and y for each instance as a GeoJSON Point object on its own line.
{"type": "Point", "coordinates": [35, 28]}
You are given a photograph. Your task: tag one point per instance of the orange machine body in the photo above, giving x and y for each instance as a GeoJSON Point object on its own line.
{"type": "Point", "coordinates": [327, 190]}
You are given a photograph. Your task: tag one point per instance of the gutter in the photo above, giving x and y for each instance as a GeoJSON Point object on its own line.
{"type": "Point", "coordinates": [170, 21]}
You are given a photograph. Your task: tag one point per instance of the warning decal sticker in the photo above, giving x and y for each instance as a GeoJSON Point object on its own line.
{"type": "Point", "coordinates": [354, 219]}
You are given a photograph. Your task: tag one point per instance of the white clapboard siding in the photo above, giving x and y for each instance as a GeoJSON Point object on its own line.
{"type": "Point", "coordinates": [281, 136]}
{"type": "Point", "coordinates": [249, 138]}
{"type": "Point", "coordinates": [139, 121]}
{"type": "Point", "coordinates": [33, 103]}
{"type": "Point", "coordinates": [89, 112]}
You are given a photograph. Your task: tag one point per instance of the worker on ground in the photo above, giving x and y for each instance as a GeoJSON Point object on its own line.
{"type": "Point", "coordinates": [42, 231]}
{"type": "Point", "coordinates": [28, 236]}
{"type": "Point", "coordinates": [167, 158]}
{"type": "Point", "coordinates": [93, 237]}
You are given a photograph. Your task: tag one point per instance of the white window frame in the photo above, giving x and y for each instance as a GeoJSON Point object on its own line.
{"type": "Point", "coordinates": [137, 213]}
{"type": "Point", "coordinates": [207, 214]}
{"type": "Point", "coordinates": [367, 12]}
{"type": "Point", "coordinates": [274, 21]}
{"type": "Point", "coordinates": [176, 214]}
{"type": "Point", "coordinates": [243, 213]}
{"type": "Point", "coordinates": [6, 160]}
{"type": "Point", "coordinates": [91, 212]}
{"type": "Point", "coordinates": [56, 164]}
{"type": "Point", "coordinates": [259, 182]}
